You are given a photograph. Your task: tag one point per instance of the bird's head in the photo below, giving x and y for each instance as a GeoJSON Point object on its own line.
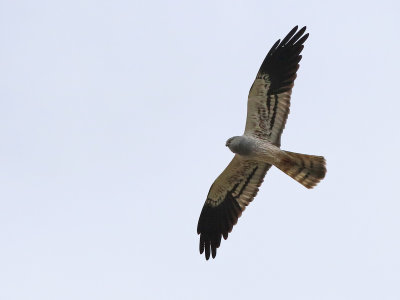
{"type": "Point", "coordinates": [230, 141]}
{"type": "Point", "coordinates": [240, 145]}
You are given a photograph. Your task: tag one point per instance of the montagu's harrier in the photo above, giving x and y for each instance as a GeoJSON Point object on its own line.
{"type": "Point", "coordinates": [259, 147]}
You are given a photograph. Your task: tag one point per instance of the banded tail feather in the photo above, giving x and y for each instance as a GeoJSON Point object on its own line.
{"type": "Point", "coordinates": [306, 169]}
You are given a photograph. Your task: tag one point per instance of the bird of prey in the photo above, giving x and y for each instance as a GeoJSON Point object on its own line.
{"type": "Point", "coordinates": [259, 147]}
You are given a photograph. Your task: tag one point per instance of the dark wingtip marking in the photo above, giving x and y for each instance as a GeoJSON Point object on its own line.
{"type": "Point", "coordinates": [282, 60]}
{"type": "Point", "coordinates": [303, 39]}
{"type": "Point", "coordinates": [216, 222]}
{"type": "Point", "coordinates": [201, 245]}
{"type": "Point", "coordinates": [289, 35]}
{"type": "Point", "coordinates": [208, 246]}
{"type": "Point", "coordinates": [296, 37]}
{"type": "Point", "coordinates": [214, 252]}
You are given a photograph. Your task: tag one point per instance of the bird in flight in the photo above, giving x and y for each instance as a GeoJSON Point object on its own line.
{"type": "Point", "coordinates": [259, 147]}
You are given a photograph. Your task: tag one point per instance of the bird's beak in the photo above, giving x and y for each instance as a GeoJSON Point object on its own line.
{"type": "Point", "coordinates": [226, 144]}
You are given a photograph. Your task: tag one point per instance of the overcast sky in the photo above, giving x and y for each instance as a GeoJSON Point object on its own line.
{"type": "Point", "coordinates": [113, 122]}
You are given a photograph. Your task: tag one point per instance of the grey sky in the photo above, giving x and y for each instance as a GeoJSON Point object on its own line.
{"type": "Point", "coordinates": [113, 122]}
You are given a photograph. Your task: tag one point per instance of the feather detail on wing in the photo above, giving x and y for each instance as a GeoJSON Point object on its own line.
{"type": "Point", "coordinates": [269, 97]}
{"type": "Point", "coordinates": [228, 197]}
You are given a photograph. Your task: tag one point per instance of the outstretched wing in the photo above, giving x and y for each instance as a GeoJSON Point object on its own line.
{"type": "Point", "coordinates": [228, 197]}
{"type": "Point", "coordinates": [269, 97]}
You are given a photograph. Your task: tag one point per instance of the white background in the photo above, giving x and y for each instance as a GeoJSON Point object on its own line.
{"type": "Point", "coordinates": [113, 122]}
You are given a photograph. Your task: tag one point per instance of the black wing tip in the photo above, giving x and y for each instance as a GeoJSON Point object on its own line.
{"type": "Point", "coordinates": [282, 60]}
{"type": "Point", "coordinates": [293, 36]}
{"type": "Point", "coordinates": [218, 218]}
{"type": "Point", "coordinates": [293, 31]}
{"type": "Point", "coordinates": [216, 223]}
{"type": "Point", "coordinates": [304, 28]}
{"type": "Point", "coordinates": [209, 245]}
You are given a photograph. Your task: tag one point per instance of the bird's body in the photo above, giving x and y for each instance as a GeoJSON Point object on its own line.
{"type": "Point", "coordinates": [296, 165]}
{"type": "Point", "coordinates": [250, 148]}
{"type": "Point", "coordinates": [259, 147]}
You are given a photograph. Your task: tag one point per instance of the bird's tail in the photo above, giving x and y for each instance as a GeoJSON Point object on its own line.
{"type": "Point", "coordinates": [305, 169]}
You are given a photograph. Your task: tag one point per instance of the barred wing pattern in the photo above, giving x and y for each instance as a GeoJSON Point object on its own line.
{"type": "Point", "coordinates": [228, 197]}
{"type": "Point", "coordinates": [269, 97]}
